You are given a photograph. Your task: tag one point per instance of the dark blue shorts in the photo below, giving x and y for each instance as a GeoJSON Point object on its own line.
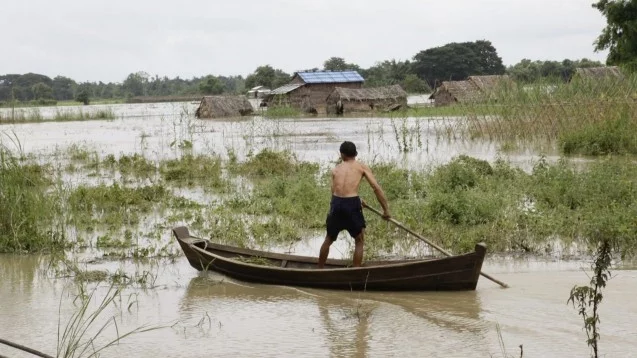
{"type": "Point", "coordinates": [345, 214]}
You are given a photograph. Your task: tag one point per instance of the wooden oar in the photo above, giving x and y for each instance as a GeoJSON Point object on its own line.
{"type": "Point", "coordinates": [24, 348]}
{"type": "Point", "coordinates": [429, 242]}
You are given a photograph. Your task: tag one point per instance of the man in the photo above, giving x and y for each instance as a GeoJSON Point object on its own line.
{"type": "Point", "coordinates": [346, 208]}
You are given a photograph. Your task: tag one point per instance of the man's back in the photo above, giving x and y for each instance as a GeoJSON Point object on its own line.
{"type": "Point", "coordinates": [346, 178]}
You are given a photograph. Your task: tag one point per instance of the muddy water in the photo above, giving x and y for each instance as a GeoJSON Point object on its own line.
{"type": "Point", "coordinates": [209, 315]}
{"type": "Point", "coordinates": [157, 129]}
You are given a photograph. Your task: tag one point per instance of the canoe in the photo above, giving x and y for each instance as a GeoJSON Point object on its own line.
{"type": "Point", "coordinates": [453, 273]}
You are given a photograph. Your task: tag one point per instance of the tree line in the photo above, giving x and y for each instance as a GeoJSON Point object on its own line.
{"type": "Point", "coordinates": [426, 70]}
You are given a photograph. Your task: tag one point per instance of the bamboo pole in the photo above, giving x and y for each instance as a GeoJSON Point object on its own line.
{"type": "Point", "coordinates": [504, 285]}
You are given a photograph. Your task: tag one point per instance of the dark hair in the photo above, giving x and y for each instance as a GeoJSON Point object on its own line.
{"type": "Point", "coordinates": [349, 149]}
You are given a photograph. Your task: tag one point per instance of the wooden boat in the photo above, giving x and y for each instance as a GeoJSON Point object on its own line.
{"type": "Point", "coordinates": [459, 272]}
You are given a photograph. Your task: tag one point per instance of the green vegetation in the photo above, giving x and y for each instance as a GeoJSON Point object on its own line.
{"type": "Point", "coordinates": [589, 117]}
{"type": "Point", "coordinates": [189, 170]}
{"type": "Point", "coordinates": [457, 204]}
{"type": "Point", "coordinates": [457, 61]}
{"type": "Point", "coordinates": [28, 219]}
{"type": "Point", "coordinates": [282, 111]}
{"type": "Point", "coordinates": [620, 34]}
{"type": "Point", "coordinates": [74, 339]}
{"type": "Point", "coordinates": [35, 115]}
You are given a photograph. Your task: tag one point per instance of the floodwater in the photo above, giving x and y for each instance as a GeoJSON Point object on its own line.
{"type": "Point", "coordinates": [156, 130]}
{"type": "Point", "coordinates": [205, 314]}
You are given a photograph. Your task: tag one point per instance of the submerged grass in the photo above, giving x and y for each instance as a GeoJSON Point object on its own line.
{"type": "Point", "coordinates": [34, 115]}
{"type": "Point", "coordinates": [281, 111]}
{"type": "Point", "coordinates": [113, 205]}
{"type": "Point", "coordinates": [460, 204]}
{"type": "Point", "coordinates": [456, 205]}
{"type": "Point", "coordinates": [29, 208]}
{"type": "Point", "coordinates": [189, 170]}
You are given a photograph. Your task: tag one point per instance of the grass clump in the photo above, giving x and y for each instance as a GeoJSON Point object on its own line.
{"type": "Point", "coordinates": [114, 205]}
{"type": "Point", "coordinates": [282, 111]}
{"type": "Point", "coordinates": [271, 163]}
{"type": "Point", "coordinates": [131, 165]}
{"type": "Point", "coordinates": [21, 115]}
{"type": "Point", "coordinates": [28, 208]}
{"type": "Point", "coordinates": [612, 136]}
{"type": "Point", "coordinates": [192, 170]}
{"type": "Point", "coordinates": [80, 115]}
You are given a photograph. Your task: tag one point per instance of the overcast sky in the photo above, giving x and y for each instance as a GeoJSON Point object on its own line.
{"type": "Point", "coordinates": [93, 40]}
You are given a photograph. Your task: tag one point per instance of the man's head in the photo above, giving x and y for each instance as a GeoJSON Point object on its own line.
{"type": "Point", "coordinates": [348, 150]}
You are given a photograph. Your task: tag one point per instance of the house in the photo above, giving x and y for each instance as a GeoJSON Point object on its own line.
{"type": "Point", "coordinates": [223, 106]}
{"type": "Point", "coordinates": [490, 82]}
{"type": "Point", "coordinates": [450, 92]}
{"type": "Point", "coordinates": [347, 100]}
{"type": "Point", "coordinates": [474, 89]}
{"type": "Point", "coordinates": [597, 74]}
{"type": "Point", "coordinates": [308, 90]}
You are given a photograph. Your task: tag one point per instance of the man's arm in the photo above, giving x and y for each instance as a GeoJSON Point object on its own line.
{"type": "Point", "coordinates": [378, 191]}
{"type": "Point", "coordinates": [332, 184]}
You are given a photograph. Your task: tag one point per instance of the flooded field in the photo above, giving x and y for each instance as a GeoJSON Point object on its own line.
{"type": "Point", "coordinates": [152, 128]}
{"type": "Point", "coordinates": [204, 314]}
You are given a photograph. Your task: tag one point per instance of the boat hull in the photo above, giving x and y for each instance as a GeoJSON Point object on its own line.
{"type": "Point", "coordinates": [452, 273]}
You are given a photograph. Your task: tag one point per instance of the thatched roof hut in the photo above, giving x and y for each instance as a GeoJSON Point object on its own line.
{"type": "Point", "coordinates": [489, 82]}
{"type": "Point", "coordinates": [474, 89]}
{"type": "Point", "coordinates": [599, 73]}
{"type": "Point", "coordinates": [223, 106]}
{"type": "Point", "coordinates": [344, 100]}
{"type": "Point", "coordinates": [455, 92]}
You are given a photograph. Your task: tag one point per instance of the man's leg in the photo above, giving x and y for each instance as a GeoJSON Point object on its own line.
{"type": "Point", "coordinates": [325, 250]}
{"type": "Point", "coordinates": [359, 241]}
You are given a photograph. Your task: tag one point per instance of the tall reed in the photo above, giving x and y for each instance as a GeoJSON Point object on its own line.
{"type": "Point", "coordinates": [28, 206]}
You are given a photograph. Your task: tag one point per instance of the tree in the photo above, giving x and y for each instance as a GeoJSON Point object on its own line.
{"type": "Point", "coordinates": [527, 71]}
{"type": "Point", "coordinates": [135, 84]}
{"type": "Point", "coordinates": [339, 64]}
{"type": "Point", "coordinates": [457, 61]}
{"type": "Point", "coordinates": [620, 34]}
{"type": "Point", "coordinates": [413, 84]}
{"type": "Point", "coordinates": [63, 88]}
{"type": "Point", "coordinates": [41, 91]}
{"type": "Point", "coordinates": [268, 77]}
{"type": "Point", "coordinates": [83, 97]}
{"type": "Point", "coordinates": [387, 73]}
{"type": "Point", "coordinates": [211, 85]}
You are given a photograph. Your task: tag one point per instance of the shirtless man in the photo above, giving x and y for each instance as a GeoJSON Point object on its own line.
{"type": "Point", "coordinates": [346, 209]}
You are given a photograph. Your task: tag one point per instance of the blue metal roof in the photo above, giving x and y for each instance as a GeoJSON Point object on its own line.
{"type": "Point", "coordinates": [331, 77]}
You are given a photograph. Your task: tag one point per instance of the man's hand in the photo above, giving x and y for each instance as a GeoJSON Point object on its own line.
{"type": "Point", "coordinates": [386, 215]}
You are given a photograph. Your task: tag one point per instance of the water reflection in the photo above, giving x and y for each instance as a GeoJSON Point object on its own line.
{"type": "Point", "coordinates": [348, 324]}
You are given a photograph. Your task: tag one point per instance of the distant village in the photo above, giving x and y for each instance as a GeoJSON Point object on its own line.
{"type": "Point", "coordinates": [342, 92]}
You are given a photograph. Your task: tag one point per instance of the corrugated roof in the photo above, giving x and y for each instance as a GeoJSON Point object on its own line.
{"type": "Point", "coordinates": [286, 88]}
{"type": "Point", "coordinates": [376, 93]}
{"type": "Point", "coordinates": [331, 77]}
